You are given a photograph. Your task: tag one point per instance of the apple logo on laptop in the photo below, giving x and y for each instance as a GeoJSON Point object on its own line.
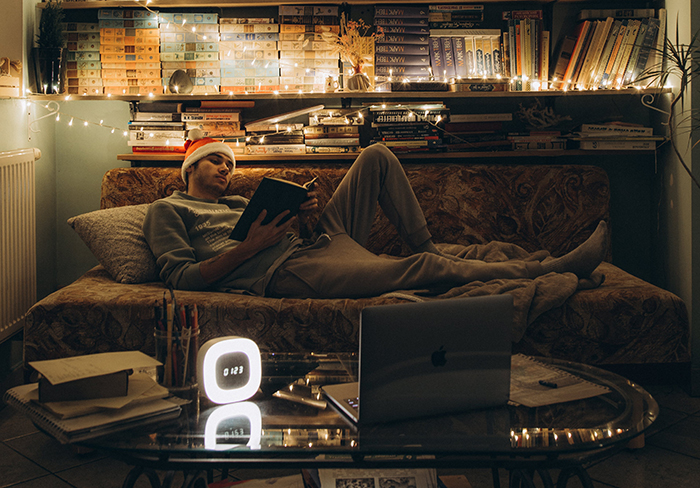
{"type": "Point", "coordinates": [438, 357]}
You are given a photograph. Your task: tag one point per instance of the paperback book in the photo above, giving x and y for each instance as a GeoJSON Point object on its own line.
{"type": "Point", "coordinates": [275, 196]}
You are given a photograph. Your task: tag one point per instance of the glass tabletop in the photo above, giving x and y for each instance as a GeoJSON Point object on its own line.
{"type": "Point", "coordinates": [289, 420]}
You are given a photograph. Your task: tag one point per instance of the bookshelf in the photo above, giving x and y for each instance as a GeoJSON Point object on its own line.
{"type": "Point", "coordinates": [557, 19]}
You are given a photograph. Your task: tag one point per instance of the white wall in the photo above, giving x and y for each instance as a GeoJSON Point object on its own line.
{"type": "Point", "coordinates": [680, 199]}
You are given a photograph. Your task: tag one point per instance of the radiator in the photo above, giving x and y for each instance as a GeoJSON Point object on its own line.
{"type": "Point", "coordinates": [17, 238]}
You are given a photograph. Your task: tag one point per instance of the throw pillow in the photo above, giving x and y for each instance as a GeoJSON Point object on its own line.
{"type": "Point", "coordinates": [115, 236]}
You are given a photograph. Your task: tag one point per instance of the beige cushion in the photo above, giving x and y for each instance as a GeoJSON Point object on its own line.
{"type": "Point", "coordinates": [115, 236]}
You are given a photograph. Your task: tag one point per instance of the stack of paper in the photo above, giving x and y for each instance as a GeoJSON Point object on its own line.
{"type": "Point", "coordinates": [76, 420]}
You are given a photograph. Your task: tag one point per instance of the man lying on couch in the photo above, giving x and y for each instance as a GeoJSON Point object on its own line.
{"type": "Point", "coordinates": [189, 235]}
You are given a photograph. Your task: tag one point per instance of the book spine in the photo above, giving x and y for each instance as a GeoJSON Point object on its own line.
{"type": "Point", "coordinates": [646, 48]}
{"type": "Point", "coordinates": [402, 21]}
{"type": "Point", "coordinates": [624, 53]}
{"type": "Point", "coordinates": [487, 117]}
{"type": "Point", "coordinates": [513, 48]}
{"type": "Point", "coordinates": [210, 116]}
{"type": "Point", "coordinates": [405, 49]}
{"type": "Point", "coordinates": [606, 81]}
{"type": "Point", "coordinates": [470, 55]}
{"type": "Point", "coordinates": [618, 145]}
{"type": "Point", "coordinates": [406, 29]}
{"type": "Point", "coordinates": [448, 56]}
{"type": "Point", "coordinates": [518, 50]}
{"type": "Point", "coordinates": [617, 129]}
{"type": "Point", "coordinates": [340, 141]}
{"type": "Point", "coordinates": [332, 149]}
{"type": "Point", "coordinates": [634, 55]}
{"type": "Point", "coordinates": [278, 149]}
{"type": "Point", "coordinates": [398, 59]}
{"type": "Point", "coordinates": [437, 63]}
{"type": "Point", "coordinates": [401, 12]}
{"type": "Point", "coordinates": [544, 62]}
{"type": "Point", "coordinates": [403, 39]}
{"type": "Point", "coordinates": [575, 55]}
{"type": "Point", "coordinates": [538, 145]}
{"type": "Point", "coordinates": [597, 76]}
{"type": "Point", "coordinates": [330, 130]}
{"type": "Point", "coordinates": [158, 149]}
{"type": "Point", "coordinates": [157, 116]}
{"type": "Point", "coordinates": [459, 57]}
{"type": "Point", "coordinates": [617, 13]}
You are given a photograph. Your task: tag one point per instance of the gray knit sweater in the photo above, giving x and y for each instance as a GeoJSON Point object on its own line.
{"type": "Point", "coordinates": [183, 231]}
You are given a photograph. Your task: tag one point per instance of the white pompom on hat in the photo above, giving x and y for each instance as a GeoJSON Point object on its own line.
{"type": "Point", "coordinates": [197, 147]}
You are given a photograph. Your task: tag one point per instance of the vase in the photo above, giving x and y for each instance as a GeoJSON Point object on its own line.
{"type": "Point", "coordinates": [358, 82]}
{"type": "Point", "coordinates": [49, 80]}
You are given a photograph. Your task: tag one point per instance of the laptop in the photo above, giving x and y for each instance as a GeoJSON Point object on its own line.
{"type": "Point", "coordinates": [429, 358]}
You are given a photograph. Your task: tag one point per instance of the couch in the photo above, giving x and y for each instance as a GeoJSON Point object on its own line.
{"type": "Point", "coordinates": [535, 207]}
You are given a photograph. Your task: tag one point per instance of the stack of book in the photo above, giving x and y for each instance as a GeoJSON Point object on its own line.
{"type": "Point", "coordinates": [403, 52]}
{"type": "Point", "coordinates": [526, 48]}
{"type": "Point", "coordinates": [616, 136]}
{"type": "Point", "coordinates": [609, 52]}
{"type": "Point", "coordinates": [249, 54]}
{"type": "Point", "coordinates": [409, 127]}
{"type": "Point", "coordinates": [157, 128]}
{"type": "Point", "coordinates": [334, 130]}
{"type": "Point", "coordinates": [270, 141]}
{"type": "Point", "coordinates": [83, 66]}
{"type": "Point", "coordinates": [478, 132]}
{"type": "Point", "coordinates": [277, 135]}
{"type": "Point", "coordinates": [218, 119]}
{"type": "Point", "coordinates": [458, 49]}
{"type": "Point", "coordinates": [537, 140]}
{"type": "Point", "coordinates": [129, 49]}
{"type": "Point", "coordinates": [83, 397]}
{"type": "Point", "coordinates": [306, 60]}
{"type": "Point", "coordinates": [194, 49]}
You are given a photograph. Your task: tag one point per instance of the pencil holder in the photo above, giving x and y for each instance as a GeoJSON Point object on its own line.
{"type": "Point", "coordinates": [178, 354]}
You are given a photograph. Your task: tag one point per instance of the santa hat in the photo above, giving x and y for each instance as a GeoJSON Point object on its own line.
{"type": "Point", "coordinates": [198, 147]}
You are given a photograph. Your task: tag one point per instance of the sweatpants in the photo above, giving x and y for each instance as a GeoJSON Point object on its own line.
{"type": "Point", "coordinates": [337, 265]}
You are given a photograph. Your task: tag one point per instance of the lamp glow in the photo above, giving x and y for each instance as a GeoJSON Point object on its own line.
{"type": "Point", "coordinates": [229, 369]}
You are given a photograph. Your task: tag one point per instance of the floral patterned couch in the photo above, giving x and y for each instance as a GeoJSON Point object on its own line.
{"type": "Point", "coordinates": [555, 208]}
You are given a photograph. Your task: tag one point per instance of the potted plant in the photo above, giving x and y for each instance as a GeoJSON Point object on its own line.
{"type": "Point", "coordinates": [49, 51]}
{"type": "Point", "coordinates": [680, 61]}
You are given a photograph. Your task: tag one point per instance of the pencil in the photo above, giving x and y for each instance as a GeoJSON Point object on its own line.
{"type": "Point", "coordinates": [195, 344]}
{"type": "Point", "coordinates": [167, 369]}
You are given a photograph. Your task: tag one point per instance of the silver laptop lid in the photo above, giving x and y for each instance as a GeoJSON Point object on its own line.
{"type": "Point", "coordinates": [434, 357]}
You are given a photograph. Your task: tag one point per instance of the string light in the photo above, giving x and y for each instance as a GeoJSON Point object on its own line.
{"type": "Point", "coordinates": [54, 111]}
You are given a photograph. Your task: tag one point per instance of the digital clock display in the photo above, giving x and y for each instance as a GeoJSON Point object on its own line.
{"type": "Point", "coordinates": [232, 370]}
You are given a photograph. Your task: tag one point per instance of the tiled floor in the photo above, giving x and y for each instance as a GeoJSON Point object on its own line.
{"type": "Point", "coordinates": [670, 459]}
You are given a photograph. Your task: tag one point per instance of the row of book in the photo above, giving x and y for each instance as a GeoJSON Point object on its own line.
{"type": "Point", "coordinates": [526, 45]}
{"type": "Point", "coordinates": [162, 127]}
{"type": "Point", "coordinates": [137, 52]}
{"type": "Point", "coordinates": [610, 52]}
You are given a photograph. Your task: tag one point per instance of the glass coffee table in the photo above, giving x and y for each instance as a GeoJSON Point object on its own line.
{"type": "Point", "coordinates": [289, 425]}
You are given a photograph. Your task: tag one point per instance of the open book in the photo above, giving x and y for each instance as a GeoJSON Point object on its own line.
{"type": "Point", "coordinates": [275, 196]}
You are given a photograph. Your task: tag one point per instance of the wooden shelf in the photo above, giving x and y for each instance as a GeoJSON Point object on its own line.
{"type": "Point", "coordinates": [155, 4]}
{"type": "Point", "coordinates": [446, 156]}
{"type": "Point", "coordinates": [370, 95]}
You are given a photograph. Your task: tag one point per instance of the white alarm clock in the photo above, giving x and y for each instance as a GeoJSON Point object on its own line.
{"type": "Point", "coordinates": [229, 369]}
